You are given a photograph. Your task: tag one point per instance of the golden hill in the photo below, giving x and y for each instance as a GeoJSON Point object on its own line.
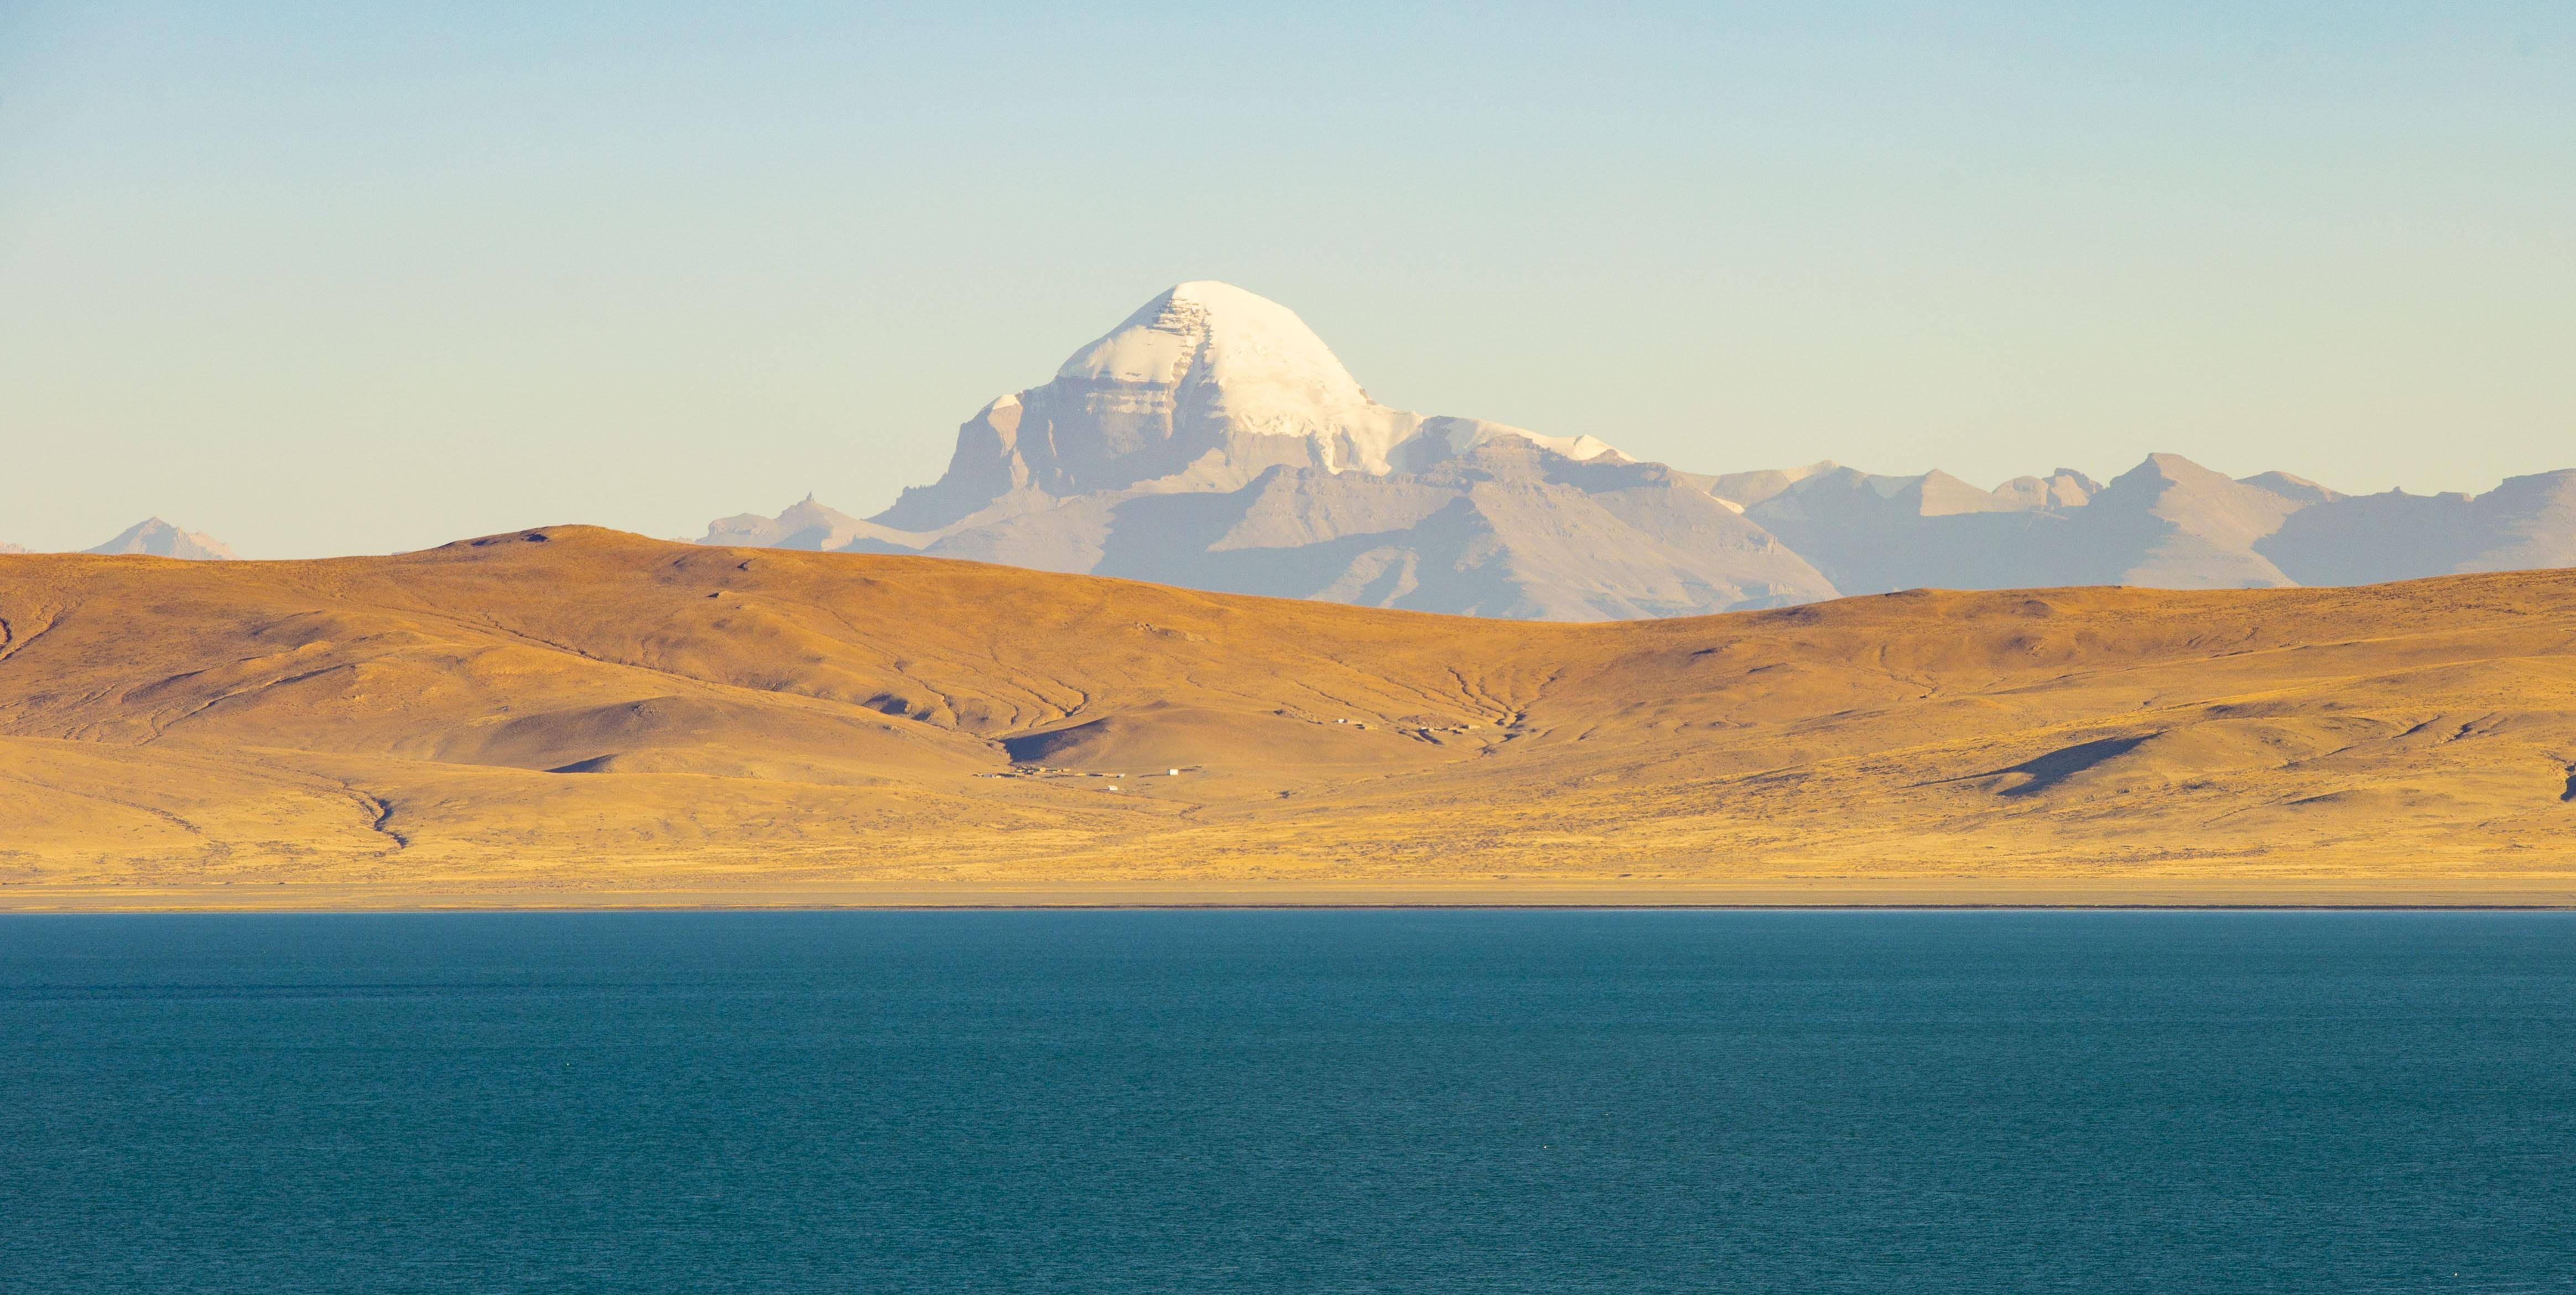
{"type": "Point", "coordinates": [575, 716]}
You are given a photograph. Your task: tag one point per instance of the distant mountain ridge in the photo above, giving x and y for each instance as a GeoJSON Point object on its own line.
{"type": "Point", "coordinates": [2168, 523]}
{"type": "Point", "coordinates": [158, 538]}
{"type": "Point", "coordinates": [1212, 441]}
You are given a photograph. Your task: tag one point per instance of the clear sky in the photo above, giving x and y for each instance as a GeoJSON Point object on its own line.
{"type": "Point", "coordinates": [331, 278]}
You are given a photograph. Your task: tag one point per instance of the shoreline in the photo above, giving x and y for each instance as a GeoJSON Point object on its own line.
{"type": "Point", "coordinates": [1954, 896]}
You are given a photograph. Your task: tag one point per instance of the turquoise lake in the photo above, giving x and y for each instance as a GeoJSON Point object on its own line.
{"type": "Point", "coordinates": [1398, 1101]}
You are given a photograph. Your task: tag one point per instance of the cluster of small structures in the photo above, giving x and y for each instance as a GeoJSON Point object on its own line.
{"type": "Point", "coordinates": [1049, 771]}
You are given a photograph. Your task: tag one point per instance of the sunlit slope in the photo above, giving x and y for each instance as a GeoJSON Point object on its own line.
{"type": "Point", "coordinates": [573, 715]}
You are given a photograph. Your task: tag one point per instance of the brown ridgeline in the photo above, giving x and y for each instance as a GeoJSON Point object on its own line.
{"type": "Point", "coordinates": [573, 716]}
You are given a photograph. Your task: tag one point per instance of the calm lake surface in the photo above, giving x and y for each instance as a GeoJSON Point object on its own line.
{"type": "Point", "coordinates": [1290, 1101]}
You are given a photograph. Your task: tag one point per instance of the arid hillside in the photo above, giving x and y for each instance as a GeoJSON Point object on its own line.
{"type": "Point", "coordinates": [573, 716]}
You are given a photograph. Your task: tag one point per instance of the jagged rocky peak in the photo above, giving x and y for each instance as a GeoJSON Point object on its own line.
{"type": "Point", "coordinates": [2061, 488]}
{"type": "Point", "coordinates": [806, 524]}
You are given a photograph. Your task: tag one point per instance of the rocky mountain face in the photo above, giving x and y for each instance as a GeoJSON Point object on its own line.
{"type": "Point", "coordinates": [161, 539]}
{"type": "Point", "coordinates": [1212, 441]}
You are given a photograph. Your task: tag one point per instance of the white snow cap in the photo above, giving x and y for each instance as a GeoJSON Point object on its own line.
{"type": "Point", "coordinates": [1464, 434]}
{"type": "Point", "coordinates": [1240, 337]}
{"type": "Point", "coordinates": [1250, 362]}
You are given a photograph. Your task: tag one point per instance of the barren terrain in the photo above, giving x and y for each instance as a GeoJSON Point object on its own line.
{"type": "Point", "coordinates": [573, 716]}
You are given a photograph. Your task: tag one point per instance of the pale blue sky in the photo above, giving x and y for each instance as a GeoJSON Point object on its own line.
{"type": "Point", "coordinates": [324, 278]}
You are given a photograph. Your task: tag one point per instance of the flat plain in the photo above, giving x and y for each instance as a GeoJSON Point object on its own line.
{"type": "Point", "coordinates": [572, 717]}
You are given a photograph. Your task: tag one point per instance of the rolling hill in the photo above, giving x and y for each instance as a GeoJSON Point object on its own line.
{"type": "Point", "coordinates": [575, 716]}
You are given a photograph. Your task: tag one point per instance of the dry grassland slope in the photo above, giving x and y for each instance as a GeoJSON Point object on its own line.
{"type": "Point", "coordinates": [571, 715]}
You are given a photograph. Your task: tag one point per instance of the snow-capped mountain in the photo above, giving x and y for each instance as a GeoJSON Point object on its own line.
{"type": "Point", "coordinates": [1203, 388]}
{"type": "Point", "coordinates": [161, 539]}
{"type": "Point", "coordinates": [1212, 440]}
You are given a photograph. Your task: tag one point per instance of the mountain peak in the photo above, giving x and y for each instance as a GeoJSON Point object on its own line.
{"type": "Point", "coordinates": [1239, 358]}
{"type": "Point", "coordinates": [2290, 487]}
{"type": "Point", "coordinates": [158, 538]}
{"type": "Point", "coordinates": [1219, 323]}
{"type": "Point", "coordinates": [1202, 389]}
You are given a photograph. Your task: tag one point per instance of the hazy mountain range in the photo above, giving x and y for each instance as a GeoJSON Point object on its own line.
{"type": "Point", "coordinates": [1211, 440]}
{"type": "Point", "coordinates": [159, 539]}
